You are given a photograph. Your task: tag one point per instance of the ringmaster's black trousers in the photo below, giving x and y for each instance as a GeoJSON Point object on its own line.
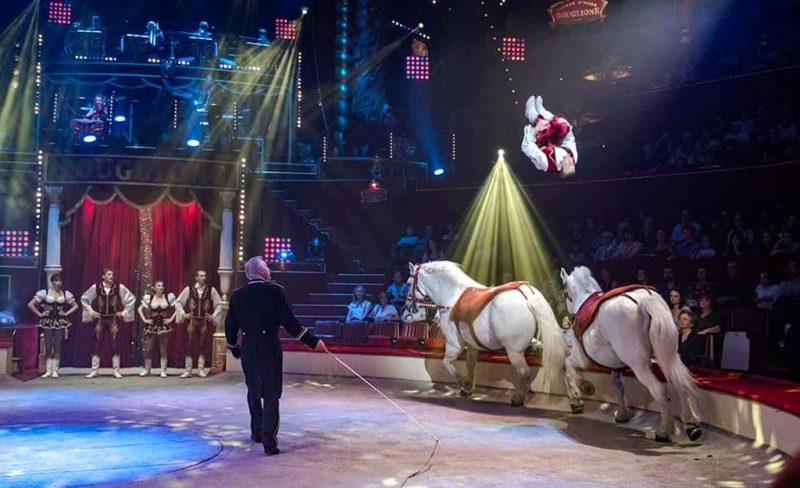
{"type": "Point", "coordinates": [264, 420]}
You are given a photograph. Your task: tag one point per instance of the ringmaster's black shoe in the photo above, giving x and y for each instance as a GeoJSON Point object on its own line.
{"type": "Point", "coordinates": [271, 451]}
{"type": "Point", "coordinates": [255, 438]}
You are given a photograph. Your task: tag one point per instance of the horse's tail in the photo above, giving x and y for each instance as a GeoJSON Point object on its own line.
{"type": "Point", "coordinates": [554, 347]}
{"type": "Point", "coordinates": [664, 339]}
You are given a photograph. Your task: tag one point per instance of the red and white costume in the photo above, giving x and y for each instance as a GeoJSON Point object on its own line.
{"type": "Point", "coordinates": [548, 141]}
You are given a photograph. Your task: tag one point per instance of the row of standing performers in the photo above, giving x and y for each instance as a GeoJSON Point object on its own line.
{"type": "Point", "coordinates": [107, 303]}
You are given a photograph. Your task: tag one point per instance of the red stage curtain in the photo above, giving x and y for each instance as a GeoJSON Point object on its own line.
{"type": "Point", "coordinates": [99, 236]}
{"type": "Point", "coordinates": [180, 248]}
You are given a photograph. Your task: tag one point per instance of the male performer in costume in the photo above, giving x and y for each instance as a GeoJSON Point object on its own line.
{"type": "Point", "coordinates": [258, 309]}
{"type": "Point", "coordinates": [200, 304]}
{"type": "Point", "coordinates": [105, 304]}
{"type": "Point", "coordinates": [548, 140]}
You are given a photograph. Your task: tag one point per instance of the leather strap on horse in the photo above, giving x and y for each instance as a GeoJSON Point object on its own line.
{"type": "Point", "coordinates": [472, 302]}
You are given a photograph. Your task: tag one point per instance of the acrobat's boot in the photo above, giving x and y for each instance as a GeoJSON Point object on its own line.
{"type": "Point", "coordinates": [56, 365]}
{"type": "Point", "coordinates": [201, 367]}
{"type": "Point", "coordinates": [188, 366]}
{"type": "Point", "coordinates": [163, 367]}
{"type": "Point", "coordinates": [148, 363]}
{"type": "Point", "coordinates": [115, 366]}
{"type": "Point", "coordinates": [95, 367]}
{"type": "Point", "coordinates": [49, 372]}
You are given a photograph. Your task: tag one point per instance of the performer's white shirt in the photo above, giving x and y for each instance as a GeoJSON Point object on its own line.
{"type": "Point", "coordinates": [128, 301]}
{"type": "Point", "coordinates": [183, 299]}
{"type": "Point", "coordinates": [539, 158]}
{"type": "Point", "coordinates": [44, 295]}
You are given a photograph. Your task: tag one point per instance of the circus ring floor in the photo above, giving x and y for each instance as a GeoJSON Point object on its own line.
{"type": "Point", "coordinates": [336, 432]}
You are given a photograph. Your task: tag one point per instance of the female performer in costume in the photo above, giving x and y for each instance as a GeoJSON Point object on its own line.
{"type": "Point", "coordinates": [157, 312]}
{"type": "Point", "coordinates": [548, 140]}
{"type": "Point", "coordinates": [53, 306]}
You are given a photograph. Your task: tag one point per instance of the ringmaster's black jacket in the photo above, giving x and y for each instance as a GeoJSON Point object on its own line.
{"type": "Point", "coordinates": [258, 309]}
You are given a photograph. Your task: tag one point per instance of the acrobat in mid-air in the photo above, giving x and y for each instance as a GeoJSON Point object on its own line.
{"type": "Point", "coordinates": [548, 140]}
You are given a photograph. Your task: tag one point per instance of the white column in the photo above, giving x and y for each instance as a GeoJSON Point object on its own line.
{"type": "Point", "coordinates": [225, 272]}
{"type": "Point", "coordinates": [53, 253]}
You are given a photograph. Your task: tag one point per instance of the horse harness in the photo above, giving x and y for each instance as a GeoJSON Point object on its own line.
{"type": "Point", "coordinates": [469, 305]}
{"type": "Point", "coordinates": [587, 313]}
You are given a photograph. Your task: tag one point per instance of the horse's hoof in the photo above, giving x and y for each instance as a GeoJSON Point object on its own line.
{"type": "Point", "coordinates": [465, 384]}
{"type": "Point", "coordinates": [577, 409]}
{"type": "Point", "coordinates": [694, 433]}
{"type": "Point", "coordinates": [662, 438]}
{"type": "Point", "coordinates": [465, 393]}
{"type": "Point", "coordinates": [587, 388]}
{"type": "Point", "coordinates": [622, 418]}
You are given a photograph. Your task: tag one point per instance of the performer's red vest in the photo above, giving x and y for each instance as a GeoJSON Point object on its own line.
{"type": "Point", "coordinates": [200, 304]}
{"type": "Point", "coordinates": [107, 304]}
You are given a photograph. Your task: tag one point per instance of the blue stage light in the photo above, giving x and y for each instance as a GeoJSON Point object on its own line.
{"type": "Point", "coordinates": [89, 138]}
{"type": "Point", "coordinates": [193, 142]}
{"type": "Point", "coordinates": [438, 172]}
{"type": "Point", "coordinates": [120, 118]}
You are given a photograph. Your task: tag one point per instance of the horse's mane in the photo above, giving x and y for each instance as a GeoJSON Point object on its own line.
{"type": "Point", "coordinates": [584, 279]}
{"type": "Point", "coordinates": [447, 267]}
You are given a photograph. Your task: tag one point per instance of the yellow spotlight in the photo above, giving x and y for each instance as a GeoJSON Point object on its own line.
{"type": "Point", "coordinates": [501, 238]}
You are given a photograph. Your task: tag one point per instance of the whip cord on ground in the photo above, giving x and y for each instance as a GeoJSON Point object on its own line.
{"type": "Point", "coordinates": [425, 467]}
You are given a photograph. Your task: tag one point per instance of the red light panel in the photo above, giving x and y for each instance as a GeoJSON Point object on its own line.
{"type": "Point", "coordinates": [417, 68]}
{"type": "Point", "coordinates": [59, 13]}
{"type": "Point", "coordinates": [285, 29]}
{"type": "Point", "coordinates": [273, 245]}
{"type": "Point", "coordinates": [513, 49]}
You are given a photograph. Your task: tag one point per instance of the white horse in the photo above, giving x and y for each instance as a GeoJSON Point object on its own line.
{"type": "Point", "coordinates": [628, 331]}
{"type": "Point", "coordinates": [512, 320]}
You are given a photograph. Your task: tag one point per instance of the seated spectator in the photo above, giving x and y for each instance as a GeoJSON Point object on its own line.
{"type": "Point", "coordinates": [605, 251]}
{"type": "Point", "coordinates": [766, 293]}
{"type": "Point", "coordinates": [737, 246]}
{"type": "Point", "coordinates": [686, 221]}
{"type": "Point", "coordinates": [663, 248]}
{"type": "Point", "coordinates": [398, 291]}
{"type": "Point", "coordinates": [700, 287]}
{"type": "Point", "coordinates": [642, 278]}
{"type": "Point", "coordinates": [383, 311]}
{"type": "Point", "coordinates": [785, 244]}
{"type": "Point", "coordinates": [706, 249]}
{"type": "Point", "coordinates": [432, 253]}
{"type": "Point", "coordinates": [766, 245]}
{"type": "Point", "coordinates": [689, 246]}
{"type": "Point", "coordinates": [734, 291]}
{"type": "Point", "coordinates": [690, 343]}
{"type": "Point", "coordinates": [405, 247]}
{"type": "Point", "coordinates": [629, 247]}
{"type": "Point", "coordinates": [576, 255]}
{"type": "Point", "coordinates": [676, 303]}
{"type": "Point", "coordinates": [359, 308]}
{"type": "Point", "coordinates": [607, 282]}
{"type": "Point", "coordinates": [739, 226]}
{"type": "Point", "coordinates": [422, 242]}
{"type": "Point", "coordinates": [711, 322]}
{"type": "Point", "coordinates": [668, 282]}
{"type": "Point", "coordinates": [448, 237]}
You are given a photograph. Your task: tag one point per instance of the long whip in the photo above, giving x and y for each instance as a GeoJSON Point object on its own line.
{"type": "Point", "coordinates": [428, 465]}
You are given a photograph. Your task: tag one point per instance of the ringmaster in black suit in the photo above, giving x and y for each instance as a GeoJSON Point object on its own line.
{"type": "Point", "coordinates": [258, 309]}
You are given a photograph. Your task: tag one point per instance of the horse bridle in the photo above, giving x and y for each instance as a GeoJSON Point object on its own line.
{"type": "Point", "coordinates": [424, 301]}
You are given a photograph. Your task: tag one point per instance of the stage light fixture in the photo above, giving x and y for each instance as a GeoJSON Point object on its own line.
{"type": "Point", "coordinates": [417, 68]}
{"type": "Point", "coordinates": [15, 243]}
{"type": "Point", "coordinates": [304, 11]}
{"type": "Point", "coordinates": [513, 49]}
{"type": "Point", "coordinates": [89, 138]}
{"type": "Point", "coordinates": [501, 152]}
{"type": "Point", "coordinates": [193, 142]}
{"type": "Point", "coordinates": [59, 13]}
{"type": "Point", "coordinates": [285, 29]}
{"type": "Point", "coordinates": [119, 118]}
{"type": "Point", "coordinates": [438, 172]}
